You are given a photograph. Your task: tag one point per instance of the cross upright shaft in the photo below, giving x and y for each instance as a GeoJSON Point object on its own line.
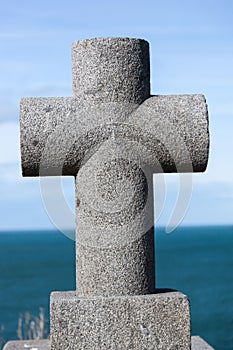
{"type": "Point", "coordinates": [112, 136]}
{"type": "Point", "coordinates": [114, 255]}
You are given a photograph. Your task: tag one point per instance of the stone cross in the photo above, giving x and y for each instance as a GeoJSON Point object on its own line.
{"type": "Point", "coordinates": [112, 135]}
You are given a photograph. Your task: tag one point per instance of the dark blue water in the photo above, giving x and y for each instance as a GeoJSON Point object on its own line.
{"type": "Point", "coordinates": [197, 261]}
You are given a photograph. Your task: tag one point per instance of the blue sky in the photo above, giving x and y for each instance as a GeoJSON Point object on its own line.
{"type": "Point", "coordinates": [191, 44]}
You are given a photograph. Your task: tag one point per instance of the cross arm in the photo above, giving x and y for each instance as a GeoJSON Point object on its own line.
{"type": "Point", "coordinates": [44, 124]}
{"type": "Point", "coordinates": [175, 129]}
{"type": "Point", "coordinates": [59, 134]}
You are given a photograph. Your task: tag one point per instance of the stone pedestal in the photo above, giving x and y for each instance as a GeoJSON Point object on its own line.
{"type": "Point", "coordinates": [146, 322]}
{"type": "Point", "coordinates": [197, 344]}
{"type": "Point", "coordinates": [28, 344]}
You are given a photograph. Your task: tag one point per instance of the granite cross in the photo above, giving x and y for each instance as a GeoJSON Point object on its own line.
{"type": "Point", "coordinates": [112, 135]}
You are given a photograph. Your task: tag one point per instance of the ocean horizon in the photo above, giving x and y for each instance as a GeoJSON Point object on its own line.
{"type": "Point", "coordinates": [197, 261]}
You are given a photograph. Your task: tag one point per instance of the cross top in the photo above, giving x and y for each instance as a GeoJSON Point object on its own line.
{"type": "Point", "coordinates": [112, 135]}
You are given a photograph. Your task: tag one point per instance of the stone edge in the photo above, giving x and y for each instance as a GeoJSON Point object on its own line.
{"type": "Point", "coordinates": [197, 344]}
{"type": "Point", "coordinates": [43, 344]}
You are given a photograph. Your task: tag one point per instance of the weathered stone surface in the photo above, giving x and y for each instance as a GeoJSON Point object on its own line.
{"type": "Point", "coordinates": [150, 322]}
{"type": "Point", "coordinates": [59, 134]}
{"type": "Point", "coordinates": [199, 344]}
{"type": "Point", "coordinates": [110, 80]}
{"type": "Point", "coordinates": [120, 270]}
{"type": "Point", "coordinates": [28, 344]}
{"type": "Point", "coordinates": [111, 69]}
{"type": "Point", "coordinates": [115, 254]}
{"type": "Point", "coordinates": [176, 130]}
{"type": "Point", "coordinates": [112, 136]}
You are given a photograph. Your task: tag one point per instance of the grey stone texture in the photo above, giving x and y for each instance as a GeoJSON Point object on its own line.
{"type": "Point", "coordinates": [115, 254]}
{"type": "Point", "coordinates": [111, 70]}
{"type": "Point", "coordinates": [147, 322]}
{"type": "Point", "coordinates": [112, 135]}
{"type": "Point", "coordinates": [28, 345]}
{"type": "Point", "coordinates": [126, 270]}
{"type": "Point", "coordinates": [58, 134]}
{"type": "Point", "coordinates": [110, 80]}
{"type": "Point", "coordinates": [199, 344]}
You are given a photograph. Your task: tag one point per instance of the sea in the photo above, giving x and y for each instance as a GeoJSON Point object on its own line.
{"type": "Point", "coordinates": [195, 260]}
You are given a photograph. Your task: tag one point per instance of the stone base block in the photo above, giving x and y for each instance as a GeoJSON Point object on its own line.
{"type": "Point", "coordinates": [158, 321]}
{"type": "Point", "coordinates": [43, 344]}
{"type": "Point", "coordinates": [199, 344]}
